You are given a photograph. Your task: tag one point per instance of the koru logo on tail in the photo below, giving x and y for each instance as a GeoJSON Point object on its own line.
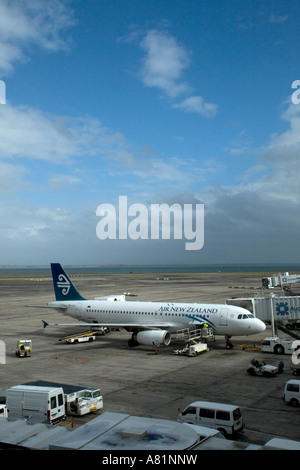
{"type": "Point", "coordinates": [63, 284]}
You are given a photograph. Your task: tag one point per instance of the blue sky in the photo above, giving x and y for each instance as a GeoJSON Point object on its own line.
{"type": "Point", "coordinates": [162, 102]}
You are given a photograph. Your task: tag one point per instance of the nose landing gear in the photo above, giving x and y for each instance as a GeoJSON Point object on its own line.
{"type": "Point", "coordinates": [229, 344]}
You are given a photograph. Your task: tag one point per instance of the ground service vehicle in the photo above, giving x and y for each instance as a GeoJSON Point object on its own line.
{"type": "Point", "coordinates": [277, 345]}
{"type": "Point", "coordinates": [226, 418]}
{"type": "Point", "coordinates": [3, 411]}
{"type": "Point", "coordinates": [37, 404]}
{"type": "Point", "coordinates": [81, 401]}
{"type": "Point", "coordinates": [292, 392]}
{"type": "Point", "coordinates": [192, 349]}
{"type": "Point", "coordinates": [79, 338]}
{"type": "Point", "coordinates": [295, 368]}
{"type": "Point", "coordinates": [24, 348]}
{"type": "Point", "coordinates": [265, 370]}
{"type": "Point", "coordinates": [78, 400]}
{"type": "Point", "coordinates": [89, 400]}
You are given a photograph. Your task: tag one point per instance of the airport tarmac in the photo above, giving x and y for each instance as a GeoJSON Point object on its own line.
{"type": "Point", "coordinates": [138, 381]}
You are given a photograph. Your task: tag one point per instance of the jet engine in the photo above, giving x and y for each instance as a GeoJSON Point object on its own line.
{"type": "Point", "coordinates": [152, 337]}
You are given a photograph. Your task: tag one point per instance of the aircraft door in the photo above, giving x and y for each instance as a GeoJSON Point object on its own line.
{"type": "Point", "coordinates": [78, 310]}
{"type": "Point", "coordinates": [223, 317]}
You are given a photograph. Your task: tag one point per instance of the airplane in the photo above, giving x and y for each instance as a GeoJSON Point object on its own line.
{"type": "Point", "coordinates": [151, 323]}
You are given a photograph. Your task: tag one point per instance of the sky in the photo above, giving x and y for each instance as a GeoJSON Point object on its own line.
{"type": "Point", "coordinates": [187, 104]}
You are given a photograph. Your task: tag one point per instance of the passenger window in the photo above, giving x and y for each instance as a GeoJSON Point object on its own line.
{"type": "Point", "coordinates": [292, 388]}
{"type": "Point", "coordinates": [53, 402]}
{"type": "Point", "coordinates": [189, 411]}
{"type": "Point", "coordinates": [60, 400]}
{"type": "Point", "coordinates": [223, 415]}
{"type": "Point", "coordinates": [207, 413]}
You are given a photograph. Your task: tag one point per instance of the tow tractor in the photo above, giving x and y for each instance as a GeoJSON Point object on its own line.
{"type": "Point", "coordinates": [265, 370]}
{"type": "Point", "coordinates": [277, 345]}
{"type": "Point", "coordinates": [295, 368]}
{"type": "Point", "coordinates": [24, 348]}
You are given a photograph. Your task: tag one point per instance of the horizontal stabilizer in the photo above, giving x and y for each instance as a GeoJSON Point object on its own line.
{"type": "Point", "coordinates": [112, 297]}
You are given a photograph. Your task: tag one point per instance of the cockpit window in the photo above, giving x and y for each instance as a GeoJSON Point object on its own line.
{"type": "Point", "coordinates": [244, 315]}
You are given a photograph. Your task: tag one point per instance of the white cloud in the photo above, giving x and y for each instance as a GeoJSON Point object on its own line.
{"type": "Point", "coordinates": [273, 18]}
{"type": "Point", "coordinates": [63, 181]}
{"type": "Point", "coordinates": [258, 220]}
{"type": "Point", "coordinates": [282, 154]}
{"type": "Point", "coordinates": [70, 150]}
{"type": "Point", "coordinates": [25, 23]}
{"type": "Point", "coordinates": [275, 174]}
{"type": "Point", "coordinates": [288, 140]}
{"type": "Point", "coordinates": [164, 63]}
{"type": "Point", "coordinates": [11, 178]}
{"type": "Point", "coordinates": [254, 220]}
{"type": "Point", "coordinates": [28, 133]}
{"type": "Point", "coordinates": [196, 104]}
{"type": "Point", "coordinates": [163, 68]}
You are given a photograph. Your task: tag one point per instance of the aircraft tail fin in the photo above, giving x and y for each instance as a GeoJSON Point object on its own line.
{"type": "Point", "coordinates": [63, 287]}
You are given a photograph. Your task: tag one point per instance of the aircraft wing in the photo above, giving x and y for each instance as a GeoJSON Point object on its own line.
{"type": "Point", "coordinates": [143, 326]}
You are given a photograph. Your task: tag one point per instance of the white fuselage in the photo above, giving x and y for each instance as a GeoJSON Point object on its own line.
{"type": "Point", "coordinates": [223, 319]}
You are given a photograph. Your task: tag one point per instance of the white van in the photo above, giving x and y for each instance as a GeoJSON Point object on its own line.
{"type": "Point", "coordinates": [78, 400]}
{"type": "Point", "coordinates": [226, 418]}
{"type": "Point", "coordinates": [34, 403]}
{"type": "Point", "coordinates": [292, 392]}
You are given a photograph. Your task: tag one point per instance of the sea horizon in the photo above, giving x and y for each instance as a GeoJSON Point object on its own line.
{"type": "Point", "coordinates": [273, 268]}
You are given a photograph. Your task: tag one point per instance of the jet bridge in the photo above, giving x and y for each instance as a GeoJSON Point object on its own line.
{"type": "Point", "coordinates": [281, 312]}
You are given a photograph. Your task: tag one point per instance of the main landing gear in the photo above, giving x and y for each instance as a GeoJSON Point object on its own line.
{"type": "Point", "coordinates": [132, 342]}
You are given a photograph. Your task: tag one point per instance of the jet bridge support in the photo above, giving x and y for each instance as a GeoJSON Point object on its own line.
{"type": "Point", "coordinates": [288, 331]}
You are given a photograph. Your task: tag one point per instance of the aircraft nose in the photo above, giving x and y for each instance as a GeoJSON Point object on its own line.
{"type": "Point", "coordinates": [260, 326]}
